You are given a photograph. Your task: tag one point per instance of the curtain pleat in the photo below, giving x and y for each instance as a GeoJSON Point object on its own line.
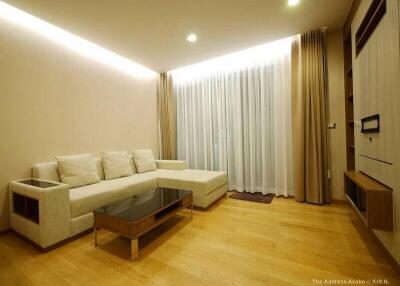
{"type": "Point", "coordinates": [166, 117]}
{"type": "Point", "coordinates": [309, 99]}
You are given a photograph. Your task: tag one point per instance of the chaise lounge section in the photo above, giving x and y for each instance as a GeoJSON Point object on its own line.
{"type": "Point", "coordinates": [65, 212]}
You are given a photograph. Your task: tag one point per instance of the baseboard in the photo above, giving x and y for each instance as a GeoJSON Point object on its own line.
{"type": "Point", "coordinates": [387, 253]}
{"type": "Point", "coordinates": [54, 246]}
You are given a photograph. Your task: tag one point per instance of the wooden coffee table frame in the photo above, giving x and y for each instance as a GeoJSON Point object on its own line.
{"type": "Point", "coordinates": [134, 229]}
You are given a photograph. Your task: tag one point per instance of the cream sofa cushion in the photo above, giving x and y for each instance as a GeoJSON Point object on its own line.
{"type": "Point", "coordinates": [86, 199]}
{"type": "Point", "coordinates": [144, 160]}
{"type": "Point", "coordinates": [199, 181]}
{"type": "Point", "coordinates": [171, 164]}
{"type": "Point", "coordinates": [49, 170]}
{"type": "Point", "coordinates": [116, 164]}
{"type": "Point", "coordinates": [46, 171]}
{"type": "Point", "coordinates": [78, 170]}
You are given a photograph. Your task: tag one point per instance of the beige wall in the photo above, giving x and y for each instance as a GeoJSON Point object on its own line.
{"type": "Point", "coordinates": [336, 113]}
{"type": "Point", "coordinates": [376, 76]}
{"type": "Point", "coordinates": [55, 102]}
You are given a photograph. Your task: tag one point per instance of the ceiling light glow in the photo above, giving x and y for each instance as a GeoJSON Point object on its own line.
{"type": "Point", "coordinates": [293, 2]}
{"type": "Point", "coordinates": [258, 55]}
{"type": "Point", "coordinates": [192, 38]}
{"type": "Point", "coordinates": [73, 42]}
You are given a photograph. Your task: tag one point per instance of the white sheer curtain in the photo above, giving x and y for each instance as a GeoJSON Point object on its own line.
{"type": "Point", "coordinates": [239, 121]}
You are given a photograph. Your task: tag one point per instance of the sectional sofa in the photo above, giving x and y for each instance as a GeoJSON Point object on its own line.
{"type": "Point", "coordinates": [66, 211]}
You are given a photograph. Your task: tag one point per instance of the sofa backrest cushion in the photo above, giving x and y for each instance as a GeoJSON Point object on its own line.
{"type": "Point", "coordinates": [78, 170]}
{"type": "Point", "coordinates": [144, 160]}
{"type": "Point", "coordinates": [49, 170]}
{"type": "Point", "coordinates": [116, 164]}
{"type": "Point", "coordinates": [46, 171]}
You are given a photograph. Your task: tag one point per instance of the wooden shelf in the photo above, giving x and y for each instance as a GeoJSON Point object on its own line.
{"type": "Point", "coordinates": [375, 13]}
{"type": "Point", "coordinates": [26, 207]}
{"type": "Point", "coordinates": [370, 200]}
{"type": "Point", "coordinates": [366, 182]}
{"type": "Point", "coordinates": [359, 214]}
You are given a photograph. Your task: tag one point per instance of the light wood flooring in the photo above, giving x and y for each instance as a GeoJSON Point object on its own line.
{"type": "Point", "coordinates": [233, 243]}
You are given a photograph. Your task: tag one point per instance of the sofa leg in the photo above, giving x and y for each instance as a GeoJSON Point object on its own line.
{"type": "Point", "coordinates": [134, 249]}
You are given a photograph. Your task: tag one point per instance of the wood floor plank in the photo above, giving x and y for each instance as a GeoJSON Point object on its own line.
{"type": "Point", "coordinates": [234, 243]}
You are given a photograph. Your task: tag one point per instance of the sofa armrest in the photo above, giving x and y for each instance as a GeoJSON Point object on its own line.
{"type": "Point", "coordinates": [171, 164]}
{"type": "Point", "coordinates": [53, 207]}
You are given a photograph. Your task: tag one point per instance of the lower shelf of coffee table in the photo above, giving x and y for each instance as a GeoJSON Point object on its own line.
{"type": "Point", "coordinates": [134, 229]}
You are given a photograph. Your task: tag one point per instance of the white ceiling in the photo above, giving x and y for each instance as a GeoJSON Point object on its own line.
{"type": "Point", "coordinates": [153, 32]}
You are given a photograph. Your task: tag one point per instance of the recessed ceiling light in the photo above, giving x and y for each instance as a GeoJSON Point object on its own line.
{"type": "Point", "coordinates": [192, 38]}
{"type": "Point", "coordinates": [293, 2]}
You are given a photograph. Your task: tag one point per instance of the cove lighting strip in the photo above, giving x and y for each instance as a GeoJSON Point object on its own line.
{"type": "Point", "coordinates": [73, 42]}
{"type": "Point", "coordinates": [254, 56]}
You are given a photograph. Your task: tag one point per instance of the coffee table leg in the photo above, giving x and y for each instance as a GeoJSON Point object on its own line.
{"type": "Point", "coordinates": [95, 236]}
{"type": "Point", "coordinates": [134, 249]}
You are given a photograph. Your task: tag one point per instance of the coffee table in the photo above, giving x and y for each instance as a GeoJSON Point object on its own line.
{"type": "Point", "coordinates": [137, 215]}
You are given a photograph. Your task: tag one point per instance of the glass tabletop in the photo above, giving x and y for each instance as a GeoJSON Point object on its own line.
{"type": "Point", "coordinates": [143, 204]}
{"type": "Point", "coordinates": [37, 183]}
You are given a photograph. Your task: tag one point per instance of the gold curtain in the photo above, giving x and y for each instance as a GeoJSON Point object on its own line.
{"type": "Point", "coordinates": [309, 114]}
{"type": "Point", "coordinates": [166, 117]}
